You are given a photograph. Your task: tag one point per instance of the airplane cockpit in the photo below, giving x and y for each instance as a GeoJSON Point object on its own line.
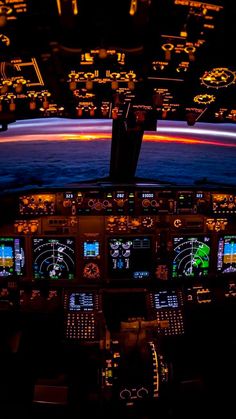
{"type": "Point", "coordinates": [117, 293]}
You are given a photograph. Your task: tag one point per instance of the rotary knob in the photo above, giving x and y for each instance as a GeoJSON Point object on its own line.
{"type": "Point", "coordinates": [177, 223]}
{"type": "Point", "coordinates": [142, 393]}
{"type": "Point", "coordinates": [33, 227]}
{"type": "Point", "coordinates": [154, 203]}
{"type": "Point", "coordinates": [25, 201]}
{"type": "Point", "coordinates": [98, 206]}
{"type": "Point", "coordinates": [146, 203]}
{"type": "Point", "coordinates": [125, 394]}
{"type": "Point", "coordinates": [120, 203]}
{"type": "Point", "coordinates": [67, 203]}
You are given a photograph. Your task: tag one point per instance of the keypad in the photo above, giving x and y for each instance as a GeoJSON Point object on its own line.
{"type": "Point", "coordinates": [80, 326]}
{"type": "Point", "coordinates": [174, 318]}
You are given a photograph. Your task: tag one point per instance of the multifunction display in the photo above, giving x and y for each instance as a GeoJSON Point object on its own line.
{"type": "Point", "coordinates": [226, 257]}
{"type": "Point", "coordinates": [81, 301]}
{"type": "Point", "coordinates": [53, 258]}
{"type": "Point", "coordinates": [12, 257]}
{"type": "Point", "coordinates": [165, 299]}
{"type": "Point", "coordinates": [167, 307]}
{"type": "Point", "coordinates": [130, 257]}
{"type": "Point", "coordinates": [191, 256]}
{"type": "Point", "coordinates": [91, 249]}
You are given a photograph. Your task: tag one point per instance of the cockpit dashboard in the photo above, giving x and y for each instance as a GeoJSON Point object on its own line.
{"type": "Point", "coordinates": [135, 270]}
{"type": "Point", "coordinates": [134, 234]}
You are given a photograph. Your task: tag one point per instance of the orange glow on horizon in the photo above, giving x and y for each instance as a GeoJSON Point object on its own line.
{"type": "Point", "coordinates": [167, 138]}
{"type": "Point", "coordinates": [103, 136]}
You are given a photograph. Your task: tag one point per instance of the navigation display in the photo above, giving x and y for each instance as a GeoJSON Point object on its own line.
{"type": "Point", "coordinates": [191, 256]}
{"type": "Point", "coordinates": [226, 256]}
{"type": "Point", "coordinates": [81, 301]}
{"type": "Point", "coordinates": [54, 258]}
{"type": "Point", "coordinates": [130, 257]}
{"type": "Point", "coordinates": [12, 257]}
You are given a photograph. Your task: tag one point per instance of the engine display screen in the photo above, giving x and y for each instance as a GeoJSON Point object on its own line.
{"type": "Point", "coordinates": [54, 258]}
{"type": "Point", "coordinates": [191, 257]}
{"type": "Point", "coordinates": [130, 257]}
{"type": "Point", "coordinates": [226, 256]}
{"type": "Point", "coordinates": [165, 299]}
{"type": "Point", "coordinates": [12, 257]}
{"type": "Point", "coordinates": [81, 301]}
{"type": "Point", "coordinates": [91, 249]}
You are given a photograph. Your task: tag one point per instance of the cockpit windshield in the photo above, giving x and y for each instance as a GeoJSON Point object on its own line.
{"type": "Point", "coordinates": [53, 152]}
{"type": "Point", "coordinates": [180, 154]}
{"type": "Point", "coordinates": [57, 151]}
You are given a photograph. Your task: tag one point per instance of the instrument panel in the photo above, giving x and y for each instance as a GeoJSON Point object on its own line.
{"type": "Point", "coordinates": [127, 202]}
{"type": "Point", "coordinates": [106, 234]}
{"type": "Point", "coordinates": [110, 271]}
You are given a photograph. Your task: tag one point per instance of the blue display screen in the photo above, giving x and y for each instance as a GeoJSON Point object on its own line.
{"type": "Point", "coordinates": [91, 249]}
{"type": "Point", "coordinates": [12, 257]}
{"type": "Point", "coordinates": [226, 256]}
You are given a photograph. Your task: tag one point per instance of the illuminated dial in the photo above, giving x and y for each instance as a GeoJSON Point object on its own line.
{"type": "Point", "coordinates": [114, 253]}
{"type": "Point", "coordinates": [120, 247]}
{"type": "Point", "coordinates": [127, 245]}
{"type": "Point", "coordinates": [115, 244]}
{"type": "Point", "coordinates": [123, 249]}
{"type": "Point", "coordinates": [134, 223]}
{"type": "Point", "coordinates": [126, 253]}
{"type": "Point", "coordinates": [91, 271]}
{"type": "Point", "coordinates": [53, 258]}
{"type": "Point", "coordinates": [204, 99]}
{"type": "Point", "coordinates": [147, 222]}
{"type": "Point", "coordinates": [122, 223]}
{"type": "Point", "coordinates": [118, 223]}
{"type": "Point", "coordinates": [4, 40]}
{"type": "Point", "coordinates": [224, 203]}
{"type": "Point", "coordinates": [218, 77]}
{"type": "Point", "coordinates": [191, 257]}
{"type": "Point", "coordinates": [37, 204]}
{"type": "Point", "coordinates": [120, 202]}
{"type": "Point", "coordinates": [177, 223]}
